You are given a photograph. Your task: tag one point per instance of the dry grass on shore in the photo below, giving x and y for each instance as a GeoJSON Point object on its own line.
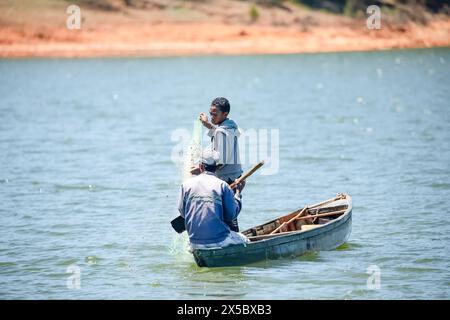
{"type": "Point", "coordinates": [30, 28]}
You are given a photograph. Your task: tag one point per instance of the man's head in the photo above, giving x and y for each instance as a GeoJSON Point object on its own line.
{"type": "Point", "coordinates": [207, 168]}
{"type": "Point", "coordinates": [209, 160]}
{"type": "Point", "coordinates": [220, 107]}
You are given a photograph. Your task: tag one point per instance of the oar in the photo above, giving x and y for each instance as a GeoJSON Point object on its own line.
{"type": "Point", "coordinates": [178, 223]}
{"type": "Point", "coordinates": [246, 174]}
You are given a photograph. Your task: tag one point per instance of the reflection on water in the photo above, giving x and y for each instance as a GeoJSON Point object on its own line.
{"type": "Point", "coordinates": [87, 179]}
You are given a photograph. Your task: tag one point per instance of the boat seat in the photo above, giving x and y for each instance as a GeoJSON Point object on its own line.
{"type": "Point", "coordinates": [307, 227]}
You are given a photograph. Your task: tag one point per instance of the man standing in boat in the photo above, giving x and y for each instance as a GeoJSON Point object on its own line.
{"type": "Point", "coordinates": [224, 134]}
{"type": "Point", "coordinates": [209, 206]}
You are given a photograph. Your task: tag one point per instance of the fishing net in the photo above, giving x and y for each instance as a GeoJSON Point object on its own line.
{"type": "Point", "coordinates": [193, 151]}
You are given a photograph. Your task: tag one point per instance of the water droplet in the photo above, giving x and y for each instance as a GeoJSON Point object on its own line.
{"type": "Point", "coordinates": [379, 73]}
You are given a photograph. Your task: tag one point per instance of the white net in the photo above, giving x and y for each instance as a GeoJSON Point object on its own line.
{"type": "Point", "coordinates": [193, 151]}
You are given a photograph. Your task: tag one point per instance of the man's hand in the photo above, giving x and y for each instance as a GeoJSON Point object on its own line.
{"type": "Point", "coordinates": [195, 171]}
{"type": "Point", "coordinates": [204, 119]}
{"type": "Point", "coordinates": [240, 186]}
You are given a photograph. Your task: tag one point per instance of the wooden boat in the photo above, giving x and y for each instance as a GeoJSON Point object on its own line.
{"type": "Point", "coordinates": [322, 226]}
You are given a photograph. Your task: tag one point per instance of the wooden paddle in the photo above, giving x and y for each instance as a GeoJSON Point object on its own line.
{"type": "Point", "coordinates": [178, 223]}
{"type": "Point", "coordinates": [246, 174]}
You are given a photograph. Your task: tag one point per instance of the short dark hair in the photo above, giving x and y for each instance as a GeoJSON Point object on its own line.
{"type": "Point", "coordinates": [222, 104]}
{"type": "Point", "coordinates": [210, 168]}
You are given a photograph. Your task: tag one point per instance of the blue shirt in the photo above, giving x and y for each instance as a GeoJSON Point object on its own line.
{"type": "Point", "coordinates": [208, 206]}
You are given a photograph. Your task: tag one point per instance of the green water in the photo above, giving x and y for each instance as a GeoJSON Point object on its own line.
{"type": "Point", "coordinates": [86, 177]}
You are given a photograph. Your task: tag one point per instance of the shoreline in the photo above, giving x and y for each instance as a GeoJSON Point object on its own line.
{"type": "Point", "coordinates": [166, 39]}
{"type": "Point", "coordinates": [144, 56]}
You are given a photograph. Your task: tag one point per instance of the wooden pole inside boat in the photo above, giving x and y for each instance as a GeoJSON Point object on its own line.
{"type": "Point", "coordinates": [276, 233]}
{"type": "Point", "coordinates": [313, 206]}
{"type": "Point", "coordinates": [320, 215]}
{"type": "Point", "coordinates": [286, 224]}
{"type": "Point", "coordinates": [338, 197]}
{"type": "Point", "coordinates": [278, 228]}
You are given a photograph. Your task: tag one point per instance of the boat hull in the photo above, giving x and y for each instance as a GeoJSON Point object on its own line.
{"type": "Point", "coordinates": [327, 237]}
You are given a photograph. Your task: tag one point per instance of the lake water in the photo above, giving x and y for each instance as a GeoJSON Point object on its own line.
{"type": "Point", "coordinates": [87, 183]}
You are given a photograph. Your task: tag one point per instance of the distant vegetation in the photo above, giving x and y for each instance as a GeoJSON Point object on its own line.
{"type": "Point", "coordinates": [397, 11]}
{"type": "Point", "coordinates": [334, 6]}
{"type": "Point", "coordinates": [254, 13]}
{"type": "Point", "coordinates": [354, 6]}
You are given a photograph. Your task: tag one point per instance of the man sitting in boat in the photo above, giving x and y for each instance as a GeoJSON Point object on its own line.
{"type": "Point", "coordinates": [224, 134]}
{"type": "Point", "coordinates": [209, 206]}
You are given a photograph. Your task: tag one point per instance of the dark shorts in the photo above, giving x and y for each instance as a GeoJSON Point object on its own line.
{"type": "Point", "coordinates": [234, 224]}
